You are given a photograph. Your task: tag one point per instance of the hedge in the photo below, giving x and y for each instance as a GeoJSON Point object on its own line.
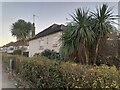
{"type": "Point", "coordinates": [45, 73]}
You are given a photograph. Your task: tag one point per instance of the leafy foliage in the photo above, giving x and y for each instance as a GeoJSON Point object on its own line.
{"type": "Point", "coordinates": [45, 73]}
{"type": "Point", "coordinates": [102, 26]}
{"type": "Point", "coordinates": [46, 53]}
{"type": "Point", "coordinates": [17, 52]}
{"type": "Point", "coordinates": [51, 54]}
{"type": "Point", "coordinates": [21, 29]}
{"type": "Point", "coordinates": [82, 38]}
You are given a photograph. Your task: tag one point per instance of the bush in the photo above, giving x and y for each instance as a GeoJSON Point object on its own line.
{"type": "Point", "coordinates": [45, 73]}
{"type": "Point", "coordinates": [51, 54]}
{"type": "Point", "coordinates": [47, 53]}
{"type": "Point", "coordinates": [17, 52]}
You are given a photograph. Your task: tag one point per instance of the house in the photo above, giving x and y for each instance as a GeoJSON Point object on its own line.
{"type": "Point", "coordinates": [12, 46]}
{"type": "Point", "coordinates": [8, 48]}
{"type": "Point", "coordinates": [47, 39]}
{"type": "Point", "coordinates": [19, 45]}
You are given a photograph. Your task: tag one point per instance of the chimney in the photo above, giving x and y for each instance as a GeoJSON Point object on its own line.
{"type": "Point", "coordinates": [33, 31]}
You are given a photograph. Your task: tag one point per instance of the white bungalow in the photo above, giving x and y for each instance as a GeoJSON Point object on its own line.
{"type": "Point", "coordinates": [47, 39]}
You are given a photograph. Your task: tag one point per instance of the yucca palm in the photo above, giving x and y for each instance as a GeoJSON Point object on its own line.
{"type": "Point", "coordinates": [102, 26]}
{"type": "Point", "coordinates": [67, 45]}
{"type": "Point", "coordinates": [84, 33]}
{"type": "Point", "coordinates": [80, 35]}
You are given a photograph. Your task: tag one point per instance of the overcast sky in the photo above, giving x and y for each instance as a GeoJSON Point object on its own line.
{"type": "Point", "coordinates": [48, 13]}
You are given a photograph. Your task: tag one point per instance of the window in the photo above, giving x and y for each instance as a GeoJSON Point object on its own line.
{"type": "Point", "coordinates": [41, 44]}
{"type": "Point", "coordinates": [41, 48]}
{"type": "Point", "coordinates": [11, 48]}
{"type": "Point", "coordinates": [54, 45]}
{"type": "Point", "coordinates": [55, 41]}
{"type": "Point", "coordinates": [47, 40]}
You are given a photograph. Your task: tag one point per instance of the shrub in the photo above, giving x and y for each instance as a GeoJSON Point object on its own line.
{"type": "Point", "coordinates": [47, 53]}
{"type": "Point", "coordinates": [45, 73]}
{"type": "Point", "coordinates": [51, 54]}
{"type": "Point", "coordinates": [17, 52]}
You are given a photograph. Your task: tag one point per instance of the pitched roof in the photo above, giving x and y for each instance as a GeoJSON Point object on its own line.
{"type": "Point", "coordinates": [17, 43]}
{"type": "Point", "coordinates": [50, 30]}
{"type": "Point", "coordinates": [9, 44]}
{"type": "Point", "coordinates": [20, 43]}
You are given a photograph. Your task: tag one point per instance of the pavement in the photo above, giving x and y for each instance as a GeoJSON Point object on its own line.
{"type": "Point", "coordinates": [5, 80]}
{"type": "Point", "coordinates": [0, 71]}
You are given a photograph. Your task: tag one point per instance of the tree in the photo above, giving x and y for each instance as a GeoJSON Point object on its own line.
{"type": "Point", "coordinates": [82, 38]}
{"type": "Point", "coordinates": [68, 46]}
{"type": "Point", "coordinates": [21, 29]}
{"type": "Point", "coordinates": [79, 35]}
{"type": "Point", "coordinates": [102, 26]}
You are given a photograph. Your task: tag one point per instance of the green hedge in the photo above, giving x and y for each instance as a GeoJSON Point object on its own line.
{"type": "Point", "coordinates": [44, 73]}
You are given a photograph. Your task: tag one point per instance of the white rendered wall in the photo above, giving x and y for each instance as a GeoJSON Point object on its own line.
{"type": "Point", "coordinates": [47, 42]}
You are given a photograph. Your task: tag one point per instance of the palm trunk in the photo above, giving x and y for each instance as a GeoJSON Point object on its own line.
{"type": "Point", "coordinates": [23, 43]}
{"type": "Point", "coordinates": [22, 48]}
{"type": "Point", "coordinates": [80, 57]}
{"type": "Point", "coordinates": [86, 55]}
{"type": "Point", "coordinates": [80, 54]}
{"type": "Point", "coordinates": [96, 51]}
{"type": "Point", "coordinates": [76, 57]}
